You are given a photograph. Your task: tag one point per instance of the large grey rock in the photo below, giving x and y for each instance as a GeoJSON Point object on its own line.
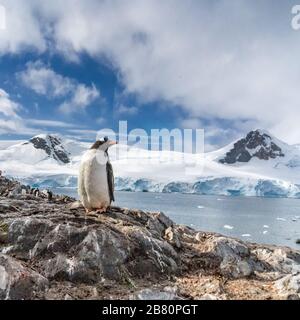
{"type": "Point", "coordinates": [25, 233]}
{"type": "Point", "coordinates": [209, 297]}
{"type": "Point", "coordinates": [64, 246]}
{"type": "Point", "coordinates": [167, 293]}
{"type": "Point", "coordinates": [17, 281]}
{"type": "Point", "coordinates": [289, 286]}
{"type": "Point", "coordinates": [280, 259]}
{"type": "Point", "coordinates": [121, 252]}
{"type": "Point", "coordinates": [150, 255]}
{"type": "Point", "coordinates": [235, 257]}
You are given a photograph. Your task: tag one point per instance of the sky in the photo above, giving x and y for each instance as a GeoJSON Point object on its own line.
{"type": "Point", "coordinates": [223, 66]}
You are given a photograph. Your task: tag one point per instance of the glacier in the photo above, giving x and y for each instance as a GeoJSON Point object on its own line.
{"type": "Point", "coordinates": [225, 186]}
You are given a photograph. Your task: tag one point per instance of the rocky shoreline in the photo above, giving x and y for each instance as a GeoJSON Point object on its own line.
{"type": "Point", "coordinates": [49, 249]}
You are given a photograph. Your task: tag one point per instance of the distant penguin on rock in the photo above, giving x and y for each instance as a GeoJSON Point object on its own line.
{"type": "Point", "coordinates": [35, 192]}
{"type": "Point", "coordinates": [47, 194]}
{"type": "Point", "coordinates": [96, 179]}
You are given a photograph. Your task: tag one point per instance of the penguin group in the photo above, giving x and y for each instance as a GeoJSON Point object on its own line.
{"type": "Point", "coordinates": [43, 194]}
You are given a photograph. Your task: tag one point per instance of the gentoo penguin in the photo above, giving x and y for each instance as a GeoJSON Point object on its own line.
{"type": "Point", "coordinates": [96, 179]}
{"type": "Point", "coordinates": [47, 194]}
{"type": "Point", "coordinates": [36, 193]}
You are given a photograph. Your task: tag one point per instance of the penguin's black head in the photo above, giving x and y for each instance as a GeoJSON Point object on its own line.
{"type": "Point", "coordinates": [103, 144]}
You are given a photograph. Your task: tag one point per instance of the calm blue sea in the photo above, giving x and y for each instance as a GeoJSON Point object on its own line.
{"type": "Point", "coordinates": [263, 220]}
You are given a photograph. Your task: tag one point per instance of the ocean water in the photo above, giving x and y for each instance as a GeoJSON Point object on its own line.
{"type": "Point", "coordinates": [262, 220]}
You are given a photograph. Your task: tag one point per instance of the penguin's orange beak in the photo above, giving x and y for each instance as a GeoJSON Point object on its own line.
{"type": "Point", "coordinates": [112, 142]}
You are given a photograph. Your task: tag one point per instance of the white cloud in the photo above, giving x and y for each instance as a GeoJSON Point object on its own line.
{"type": "Point", "coordinates": [217, 132]}
{"type": "Point", "coordinates": [216, 59]}
{"type": "Point", "coordinates": [45, 81]}
{"type": "Point", "coordinates": [82, 97]}
{"type": "Point", "coordinates": [23, 30]}
{"type": "Point", "coordinates": [100, 120]}
{"type": "Point", "coordinates": [82, 134]}
{"type": "Point", "coordinates": [10, 121]}
{"type": "Point", "coordinates": [7, 126]}
{"type": "Point", "coordinates": [49, 123]}
{"type": "Point", "coordinates": [8, 108]}
{"type": "Point", "coordinates": [191, 123]}
{"type": "Point", "coordinates": [129, 111]}
{"type": "Point", "coordinates": [2, 18]}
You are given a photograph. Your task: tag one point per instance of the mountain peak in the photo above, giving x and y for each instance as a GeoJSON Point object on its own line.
{"type": "Point", "coordinates": [257, 144]}
{"type": "Point", "coordinates": [52, 145]}
{"type": "Point", "coordinates": [261, 132]}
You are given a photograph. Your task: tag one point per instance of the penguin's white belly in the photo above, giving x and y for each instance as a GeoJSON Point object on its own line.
{"type": "Point", "coordinates": [93, 184]}
{"type": "Point", "coordinates": [97, 187]}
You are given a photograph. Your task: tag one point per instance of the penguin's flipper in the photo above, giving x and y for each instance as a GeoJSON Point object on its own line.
{"type": "Point", "coordinates": [110, 180]}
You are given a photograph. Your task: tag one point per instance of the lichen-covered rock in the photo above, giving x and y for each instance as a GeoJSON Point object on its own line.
{"type": "Point", "coordinates": [25, 233]}
{"type": "Point", "coordinates": [209, 297]}
{"type": "Point", "coordinates": [172, 237]}
{"type": "Point", "coordinates": [18, 282]}
{"type": "Point", "coordinates": [50, 249]}
{"type": "Point", "coordinates": [235, 257]}
{"type": "Point", "coordinates": [289, 286]}
{"type": "Point", "coordinates": [150, 255]}
{"type": "Point", "coordinates": [167, 293]}
{"type": "Point", "coordinates": [280, 259]}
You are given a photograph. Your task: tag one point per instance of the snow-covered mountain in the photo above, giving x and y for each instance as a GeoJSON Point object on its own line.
{"type": "Point", "coordinates": [257, 165]}
{"type": "Point", "coordinates": [37, 149]}
{"type": "Point", "coordinates": [257, 144]}
{"type": "Point", "coordinates": [44, 160]}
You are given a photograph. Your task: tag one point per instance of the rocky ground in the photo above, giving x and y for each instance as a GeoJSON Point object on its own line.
{"type": "Point", "coordinates": [49, 249]}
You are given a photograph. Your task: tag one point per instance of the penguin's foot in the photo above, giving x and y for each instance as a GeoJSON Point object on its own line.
{"type": "Point", "coordinates": [101, 210]}
{"type": "Point", "coordinates": [88, 211]}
